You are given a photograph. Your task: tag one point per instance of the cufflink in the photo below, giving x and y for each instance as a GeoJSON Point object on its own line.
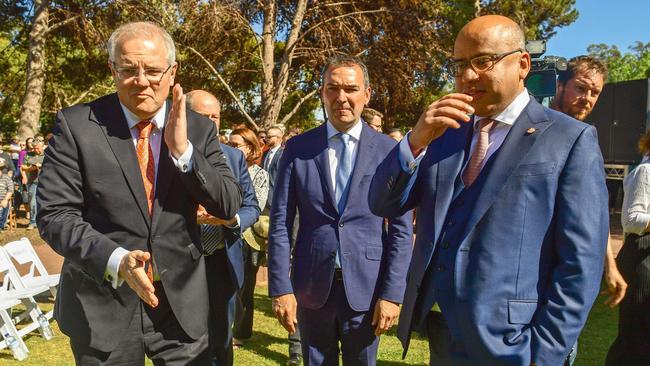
{"type": "Point", "coordinates": [530, 131]}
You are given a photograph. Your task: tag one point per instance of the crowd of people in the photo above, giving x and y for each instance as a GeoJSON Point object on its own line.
{"type": "Point", "coordinates": [485, 227]}
{"type": "Point", "coordinates": [20, 165]}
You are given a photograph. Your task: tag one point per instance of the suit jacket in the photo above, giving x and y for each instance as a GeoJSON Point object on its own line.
{"type": "Point", "coordinates": [372, 267]}
{"type": "Point", "coordinates": [92, 200]}
{"type": "Point", "coordinates": [248, 213]}
{"type": "Point", "coordinates": [530, 260]}
{"type": "Point", "coordinates": [273, 172]}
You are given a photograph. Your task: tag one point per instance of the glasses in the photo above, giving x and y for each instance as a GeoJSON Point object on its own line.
{"type": "Point", "coordinates": [153, 75]}
{"type": "Point", "coordinates": [479, 63]}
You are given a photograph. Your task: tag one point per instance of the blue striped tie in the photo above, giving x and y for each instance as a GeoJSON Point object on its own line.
{"type": "Point", "coordinates": [343, 171]}
{"type": "Point", "coordinates": [211, 238]}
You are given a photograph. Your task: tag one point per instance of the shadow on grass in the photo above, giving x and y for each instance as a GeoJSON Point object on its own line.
{"type": "Point", "coordinates": [260, 343]}
{"type": "Point", "coordinates": [263, 304]}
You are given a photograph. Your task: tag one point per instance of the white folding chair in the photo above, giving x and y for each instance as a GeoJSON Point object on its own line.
{"type": "Point", "coordinates": [23, 252]}
{"type": "Point", "coordinates": [12, 293]}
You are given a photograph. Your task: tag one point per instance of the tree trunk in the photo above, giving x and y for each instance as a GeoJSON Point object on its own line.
{"type": "Point", "coordinates": [30, 110]}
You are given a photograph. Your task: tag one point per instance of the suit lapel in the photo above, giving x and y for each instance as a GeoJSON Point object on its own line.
{"type": "Point", "coordinates": [322, 162]}
{"type": "Point", "coordinates": [512, 151]}
{"type": "Point", "coordinates": [365, 150]}
{"type": "Point", "coordinates": [110, 118]}
{"type": "Point", "coordinates": [452, 153]}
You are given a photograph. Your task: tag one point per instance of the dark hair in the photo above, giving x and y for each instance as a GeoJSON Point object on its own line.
{"type": "Point", "coordinates": [581, 64]}
{"type": "Point", "coordinates": [344, 60]}
{"type": "Point", "coordinates": [394, 129]}
{"type": "Point", "coordinates": [251, 139]}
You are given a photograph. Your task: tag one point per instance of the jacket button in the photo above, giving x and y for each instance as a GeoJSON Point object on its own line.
{"type": "Point", "coordinates": [440, 268]}
{"type": "Point", "coordinates": [445, 245]}
{"type": "Point", "coordinates": [341, 224]}
{"type": "Point", "coordinates": [450, 223]}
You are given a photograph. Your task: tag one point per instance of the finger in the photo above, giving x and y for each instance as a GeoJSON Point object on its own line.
{"type": "Point", "coordinates": [458, 104]}
{"type": "Point", "coordinates": [375, 315]}
{"type": "Point", "coordinates": [458, 96]}
{"type": "Point", "coordinates": [618, 297]}
{"type": "Point", "coordinates": [453, 113]}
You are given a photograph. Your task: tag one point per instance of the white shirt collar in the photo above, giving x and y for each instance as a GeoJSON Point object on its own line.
{"type": "Point", "coordinates": [354, 132]}
{"type": "Point", "coordinates": [512, 111]}
{"type": "Point", "coordinates": [158, 119]}
{"type": "Point", "coordinates": [273, 150]}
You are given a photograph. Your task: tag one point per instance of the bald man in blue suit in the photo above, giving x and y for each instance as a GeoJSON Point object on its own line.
{"type": "Point", "coordinates": [512, 215]}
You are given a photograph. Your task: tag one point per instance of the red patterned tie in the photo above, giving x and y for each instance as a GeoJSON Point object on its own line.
{"type": "Point", "coordinates": [480, 151]}
{"type": "Point", "coordinates": [148, 171]}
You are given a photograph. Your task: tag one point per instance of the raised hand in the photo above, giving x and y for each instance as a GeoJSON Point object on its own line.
{"type": "Point", "coordinates": [176, 128]}
{"type": "Point", "coordinates": [444, 113]}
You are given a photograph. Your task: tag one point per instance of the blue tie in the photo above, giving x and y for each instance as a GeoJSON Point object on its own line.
{"type": "Point", "coordinates": [343, 173]}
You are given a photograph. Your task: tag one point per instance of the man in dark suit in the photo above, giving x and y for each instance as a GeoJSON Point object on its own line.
{"type": "Point", "coordinates": [271, 158]}
{"type": "Point", "coordinates": [118, 194]}
{"type": "Point", "coordinates": [511, 208]}
{"type": "Point", "coordinates": [347, 280]}
{"type": "Point", "coordinates": [222, 239]}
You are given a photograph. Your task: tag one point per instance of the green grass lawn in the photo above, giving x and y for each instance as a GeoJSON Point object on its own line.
{"type": "Point", "coordinates": [268, 346]}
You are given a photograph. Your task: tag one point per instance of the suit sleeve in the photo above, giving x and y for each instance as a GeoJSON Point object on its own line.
{"type": "Point", "coordinates": [211, 182]}
{"type": "Point", "coordinates": [283, 212]}
{"type": "Point", "coordinates": [580, 238]}
{"type": "Point", "coordinates": [398, 249]}
{"type": "Point", "coordinates": [60, 200]}
{"type": "Point", "coordinates": [393, 191]}
{"type": "Point", "coordinates": [249, 210]}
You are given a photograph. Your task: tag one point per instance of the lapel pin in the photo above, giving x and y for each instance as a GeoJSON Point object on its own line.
{"type": "Point", "coordinates": [530, 131]}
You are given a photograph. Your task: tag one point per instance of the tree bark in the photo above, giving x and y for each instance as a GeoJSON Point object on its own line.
{"type": "Point", "coordinates": [30, 110]}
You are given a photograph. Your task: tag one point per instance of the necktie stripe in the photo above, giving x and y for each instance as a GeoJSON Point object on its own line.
{"type": "Point", "coordinates": [477, 158]}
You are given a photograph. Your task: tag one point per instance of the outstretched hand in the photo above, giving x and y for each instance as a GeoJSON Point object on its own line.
{"type": "Point", "coordinates": [132, 270]}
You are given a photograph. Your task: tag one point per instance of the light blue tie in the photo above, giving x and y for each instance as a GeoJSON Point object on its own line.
{"type": "Point", "coordinates": [343, 171]}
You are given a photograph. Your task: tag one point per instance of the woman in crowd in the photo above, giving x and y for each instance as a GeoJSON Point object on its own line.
{"type": "Point", "coordinates": [632, 346]}
{"type": "Point", "coordinates": [245, 140]}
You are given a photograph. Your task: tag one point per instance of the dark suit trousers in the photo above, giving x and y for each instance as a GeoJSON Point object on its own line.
{"type": "Point", "coordinates": [244, 308]}
{"type": "Point", "coordinates": [322, 329]}
{"type": "Point", "coordinates": [154, 332]}
{"type": "Point", "coordinates": [223, 293]}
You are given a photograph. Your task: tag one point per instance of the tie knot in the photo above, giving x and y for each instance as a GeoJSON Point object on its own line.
{"type": "Point", "coordinates": [485, 125]}
{"type": "Point", "coordinates": [344, 137]}
{"type": "Point", "coordinates": [145, 128]}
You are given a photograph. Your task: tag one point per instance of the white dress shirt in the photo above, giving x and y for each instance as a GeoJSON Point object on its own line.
{"type": "Point", "coordinates": [269, 156]}
{"type": "Point", "coordinates": [334, 148]}
{"type": "Point", "coordinates": [497, 134]}
{"type": "Point", "coordinates": [636, 199]}
{"type": "Point", "coordinates": [183, 163]}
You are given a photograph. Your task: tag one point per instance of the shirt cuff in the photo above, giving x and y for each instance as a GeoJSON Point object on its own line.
{"type": "Point", "coordinates": [113, 267]}
{"type": "Point", "coordinates": [237, 225]}
{"type": "Point", "coordinates": [184, 162]}
{"type": "Point", "coordinates": [408, 162]}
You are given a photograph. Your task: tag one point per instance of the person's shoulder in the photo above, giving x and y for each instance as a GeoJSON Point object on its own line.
{"type": "Point", "coordinates": [566, 123]}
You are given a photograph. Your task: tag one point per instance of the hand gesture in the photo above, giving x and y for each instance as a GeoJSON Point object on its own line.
{"type": "Point", "coordinates": [176, 128]}
{"type": "Point", "coordinates": [385, 315]}
{"type": "Point", "coordinates": [284, 307]}
{"type": "Point", "coordinates": [133, 272]}
{"type": "Point", "coordinates": [446, 112]}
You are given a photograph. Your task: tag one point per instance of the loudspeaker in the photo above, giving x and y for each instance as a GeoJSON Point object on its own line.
{"type": "Point", "coordinates": [621, 117]}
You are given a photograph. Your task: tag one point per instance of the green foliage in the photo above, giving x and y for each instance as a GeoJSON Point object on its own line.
{"type": "Point", "coordinates": [629, 66]}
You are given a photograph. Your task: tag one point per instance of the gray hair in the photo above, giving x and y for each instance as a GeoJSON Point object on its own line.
{"type": "Point", "coordinates": [345, 60]}
{"type": "Point", "coordinates": [144, 29]}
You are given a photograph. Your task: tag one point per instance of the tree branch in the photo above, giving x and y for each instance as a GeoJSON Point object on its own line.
{"type": "Point", "coordinates": [293, 111]}
{"type": "Point", "coordinates": [60, 24]}
{"type": "Point", "coordinates": [225, 84]}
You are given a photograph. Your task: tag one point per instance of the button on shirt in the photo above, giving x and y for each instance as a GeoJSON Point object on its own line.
{"type": "Point", "coordinates": [183, 163]}
{"type": "Point", "coordinates": [498, 133]}
{"type": "Point", "coordinates": [334, 148]}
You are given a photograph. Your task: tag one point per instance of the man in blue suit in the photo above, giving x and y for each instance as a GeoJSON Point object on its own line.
{"type": "Point", "coordinates": [343, 282]}
{"type": "Point", "coordinates": [511, 208]}
{"type": "Point", "coordinates": [222, 240]}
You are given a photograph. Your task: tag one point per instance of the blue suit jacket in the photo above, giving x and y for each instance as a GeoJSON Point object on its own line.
{"type": "Point", "coordinates": [273, 172]}
{"type": "Point", "coordinates": [248, 212]}
{"type": "Point", "coordinates": [531, 256]}
{"type": "Point", "coordinates": [372, 267]}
